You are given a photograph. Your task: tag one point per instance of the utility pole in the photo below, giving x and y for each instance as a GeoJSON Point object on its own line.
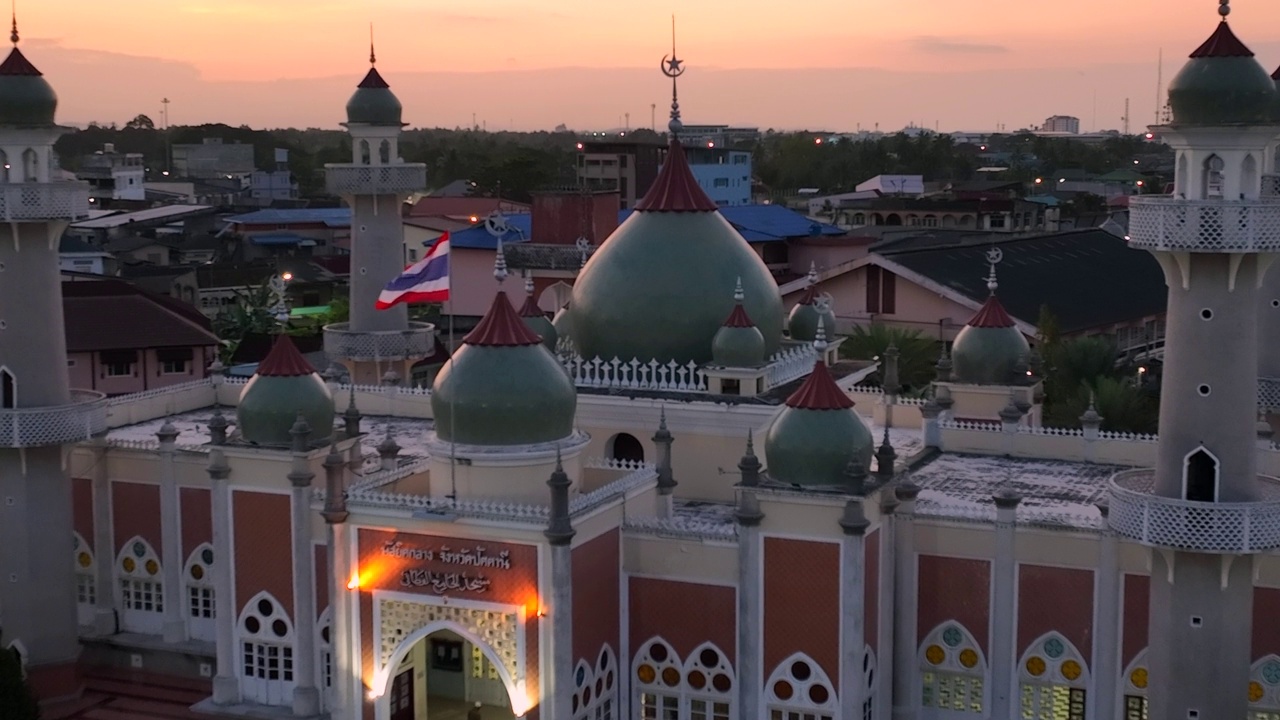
{"type": "Point", "coordinates": [653, 117]}
{"type": "Point", "coordinates": [1159, 83]}
{"type": "Point", "coordinates": [627, 125]}
{"type": "Point", "coordinates": [168, 140]}
{"type": "Point", "coordinates": [1126, 116]}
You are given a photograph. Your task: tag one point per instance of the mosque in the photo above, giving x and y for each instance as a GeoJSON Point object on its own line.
{"type": "Point", "coordinates": [724, 522]}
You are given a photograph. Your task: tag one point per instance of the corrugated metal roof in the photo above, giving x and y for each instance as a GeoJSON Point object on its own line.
{"type": "Point", "coordinates": [333, 217]}
{"type": "Point", "coordinates": [148, 215]}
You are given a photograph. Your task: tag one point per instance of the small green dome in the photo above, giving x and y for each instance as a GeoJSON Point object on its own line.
{"type": "Point", "coordinates": [1222, 84]}
{"type": "Point", "coordinates": [537, 321]}
{"type": "Point", "coordinates": [990, 349]}
{"type": "Point", "coordinates": [284, 386]}
{"type": "Point", "coordinates": [373, 103]}
{"type": "Point", "coordinates": [802, 323]}
{"type": "Point", "coordinates": [738, 343]}
{"type": "Point", "coordinates": [503, 387]}
{"type": "Point", "coordinates": [26, 98]}
{"type": "Point", "coordinates": [814, 437]}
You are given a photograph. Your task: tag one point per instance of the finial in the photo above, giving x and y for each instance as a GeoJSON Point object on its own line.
{"type": "Point", "coordinates": [738, 295]}
{"type": "Point", "coordinates": [1224, 9]}
{"type": "Point", "coordinates": [528, 285]}
{"type": "Point", "coordinates": [673, 67]}
{"type": "Point", "coordinates": [813, 273]}
{"type": "Point", "coordinates": [994, 256]}
{"type": "Point", "coordinates": [373, 59]}
{"type": "Point", "coordinates": [500, 264]}
{"type": "Point", "coordinates": [662, 418]}
{"type": "Point", "coordinates": [820, 337]}
{"type": "Point", "coordinates": [13, 34]}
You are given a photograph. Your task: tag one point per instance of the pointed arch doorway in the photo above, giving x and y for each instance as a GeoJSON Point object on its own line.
{"type": "Point", "coordinates": [447, 658]}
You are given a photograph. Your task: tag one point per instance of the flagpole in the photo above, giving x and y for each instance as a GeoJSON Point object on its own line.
{"type": "Point", "coordinates": [453, 398]}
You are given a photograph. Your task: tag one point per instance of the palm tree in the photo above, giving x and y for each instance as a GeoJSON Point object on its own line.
{"type": "Point", "coordinates": [916, 357]}
{"type": "Point", "coordinates": [1123, 405]}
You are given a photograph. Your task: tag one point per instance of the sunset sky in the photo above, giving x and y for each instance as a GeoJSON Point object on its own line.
{"type": "Point", "coordinates": [527, 64]}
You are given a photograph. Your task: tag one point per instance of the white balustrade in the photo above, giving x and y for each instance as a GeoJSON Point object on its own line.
{"type": "Point", "coordinates": [1209, 527]}
{"type": "Point", "coordinates": [1221, 226]}
{"type": "Point", "coordinates": [395, 179]}
{"type": "Point", "coordinates": [1269, 393]}
{"type": "Point", "coordinates": [789, 364]}
{"type": "Point", "coordinates": [37, 202]}
{"type": "Point", "coordinates": [81, 419]}
{"type": "Point", "coordinates": [418, 341]}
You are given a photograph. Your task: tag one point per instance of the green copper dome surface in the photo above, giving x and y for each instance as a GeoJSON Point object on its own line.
{"type": "Point", "coordinates": [738, 347]}
{"type": "Point", "coordinates": [659, 289]}
{"type": "Point", "coordinates": [802, 324]}
{"type": "Point", "coordinates": [269, 405]}
{"type": "Point", "coordinates": [26, 98]}
{"type": "Point", "coordinates": [503, 395]}
{"type": "Point", "coordinates": [814, 447]}
{"type": "Point", "coordinates": [373, 103]}
{"type": "Point", "coordinates": [1222, 84]}
{"type": "Point", "coordinates": [988, 355]}
{"type": "Point", "coordinates": [543, 328]}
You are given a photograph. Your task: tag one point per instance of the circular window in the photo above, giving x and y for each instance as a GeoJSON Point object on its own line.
{"type": "Point", "coordinates": [951, 636]}
{"type": "Point", "coordinates": [1275, 303]}
{"type": "Point", "coordinates": [206, 556]}
{"type": "Point", "coordinates": [782, 689]}
{"type": "Point", "coordinates": [1204, 390]}
{"type": "Point", "coordinates": [128, 564]}
{"type": "Point", "coordinates": [364, 271]}
{"type": "Point", "coordinates": [1035, 666]}
{"type": "Point", "coordinates": [721, 683]}
{"type": "Point", "coordinates": [1206, 314]}
{"type": "Point", "coordinates": [152, 567]}
{"type": "Point", "coordinates": [1054, 648]}
{"type": "Point", "coordinates": [658, 652]}
{"type": "Point", "coordinates": [85, 559]}
{"type": "Point", "coordinates": [709, 657]}
{"type": "Point", "coordinates": [197, 572]}
{"type": "Point", "coordinates": [1255, 691]}
{"type": "Point", "coordinates": [580, 676]}
{"type": "Point", "coordinates": [279, 627]}
{"type": "Point", "coordinates": [1138, 677]}
{"type": "Point", "coordinates": [645, 673]}
{"type": "Point", "coordinates": [818, 694]}
{"type": "Point", "coordinates": [264, 607]}
{"type": "Point", "coordinates": [935, 654]}
{"type": "Point", "coordinates": [968, 657]}
{"type": "Point", "coordinates": [252, 625]}
{"type": "Point", "coordinates": [671, 676]}
{"type": "Point", "coordinates": [697, 680]}
{"type": "Point", "coordinates": [139, 549]}
{"type": "Point", "coordinates": [1071, 670]}
{"type": "Point", "coordinates": [800, 670]}
{"type": "Point", "coordinates": [324, 633]}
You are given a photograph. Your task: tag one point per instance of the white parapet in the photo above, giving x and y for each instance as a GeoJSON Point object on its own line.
{"type": "Point", "coordinates": [394, 179]}
{"type": "Point", "coordinates": [1136, 512]}
{"type": "Point", "coordinates": [341, 342]}
{"type": "Point", "coordinates": [38, 202]}
{"type": "Point", "coordinates": [1209, 226]}
{"type": "Point", "coordinates": [81, 419]}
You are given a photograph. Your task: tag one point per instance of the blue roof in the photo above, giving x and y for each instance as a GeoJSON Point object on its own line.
{"type": "Point", "coordinates": [281, 238]}
{"type": "Point", "coordinates": [477, 238]}
{"type": "Point", "coordinates": [332, 217]}
{"type": "Point", "coordinates": [769, 223]}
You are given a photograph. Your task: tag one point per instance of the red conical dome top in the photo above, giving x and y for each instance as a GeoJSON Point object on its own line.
{"type": "Point", "coordinates": [819, 392]}
{"type": "Point", "coordinates": [530, 308]}
{"type": "Point", "coordinates": [501, 327]}
{"type": "Point", "coordinates": [18, 64]}
{"type": "Point", "coordinates": [284, 360]}
{"type": "Point", "coordinates": [1222, 43]}
{"type": "Point", "coordinates": [675, 189]}
{"type": "Point", "coordinates": [991, 315]}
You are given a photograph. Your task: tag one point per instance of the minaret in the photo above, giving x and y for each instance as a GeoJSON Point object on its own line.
{"type": "Point", "coordinates": [375, 184]}
{"type": "Point", "coordinates": [1200, 509]}
{"type": "Point", "coordinates": [38, 411]}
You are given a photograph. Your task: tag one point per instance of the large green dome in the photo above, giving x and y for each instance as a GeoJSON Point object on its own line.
{"type": "Point", "coordinates": [814, 437]}
{"type": "Point", "coordinates": [657, 289]}
{"type": "Point", "coordinates": [990, 349]}
{"type": "Point", "coordinates": [503, 387]}
{"type": "Point", "coordinates": [285, 386]}
{"type": "Point", "coordinates": [373, 103]}
{"type": "Point", "coordinates": [26, 98]}
{"type": "Point", "coordinates": [1222, 84]}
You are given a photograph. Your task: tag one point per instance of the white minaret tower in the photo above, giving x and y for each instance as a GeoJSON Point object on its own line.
{"type": "Point", "coordinates": [39, 414]}
{"type": "Point", "coordinates": [1204, 510]}
{"type": "Point", "coordinates": [375, 184]}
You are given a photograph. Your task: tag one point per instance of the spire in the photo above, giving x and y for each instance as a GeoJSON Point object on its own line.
{"type": "Point", "coordinates": [500, 264]}
{"type": "Point", "coordinates": [559, 526]}
{"type": "Point", "coordinates": [673, 67]}
{"type": "Point", "coordinates": [373, 79]}
{"type": "Point", "coordinates": [13, 34]}
{"type": "Point", "coordinates": [17, 63]}
{"type": "Point", "coordinates": [820, 338]}
{"type": "Point", "coordinates": [1222, 43]}
{"type": "Point", "coordinates": [373, 59]}
{"type": "Point", "coordinates": [992, 314]}
{"type": "Point", "coordinates": [819, 391]}
{"type": "Point", "coordinates": [351, 417]}
{"type": "Point", "coordinates": [530, 307]}
{"type": "Point", "coordinates": [739, 317]}
{"type": "Point", "coordinates": [810, 296]}
{"type": "Point", "coordinates": [663, 439]}
{"type": "Point", "coordinates": [284, 360]}
{"type": "Point", "coordinates": [749, 465]}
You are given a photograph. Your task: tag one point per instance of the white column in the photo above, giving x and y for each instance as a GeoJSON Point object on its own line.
{"type": "Point", "coordinates": [888, 601]}
{"type": "Point", "coordinates": [1106, 645]}
{"type": "Point", "coordinates": [1004, 592]}
{"type": "Point", "coordinates": [344, 703]}
{"type": "Point", "coordinates": [306, 699]}
{"type": "Point", "coordinates": [104, 547]}
{"type": "Point", "coordinates": [905, 688]}
{"type": "Point", "coordinates": [852, 608]}
{"type": "Point", "coordinates": [226, 689]}
{"type": "Point", "coordinates": [750, 606]}
{"type": "Point", "coordinates": [561, 631]}
{"type": "Point", "coordinates": [171, 559]}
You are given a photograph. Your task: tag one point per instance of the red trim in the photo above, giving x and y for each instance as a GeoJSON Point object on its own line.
{"type": "Point", "coordinates": [435, 296]}
{"type": "Point", "coordinates": [530, 308]}
{"type": "Point", "coordinates": [284, 360]}
{"type": "Point", "coordinates": [819, 392]}
{"type": "Point", "coordinates": [991, 315]}
{"type": "Point", "coordinates": [739, 318]}
{"type": "Point", "coordinates": [501, 327]}
{"type": "Point", "coordinates": [675, 189]}
{"type": "Point", "coordinates": [18, 64]}
{"type": "Point", "coordinates": [1222, 43]}
{"type": "Point", "coordinates": [373, 80]}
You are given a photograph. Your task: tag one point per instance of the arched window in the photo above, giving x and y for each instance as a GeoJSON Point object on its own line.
{"type": "Point", "coordinates": [198, 577]}
{"type": "Point", "coordinates": [4, 167]}
{"type": "Point", "coordinates": [893, 219]}
{"type": "Point", "coordinates": [8, 389]}
{"type": "Point", "coordinates": [1200, 476]}
{"type": "Point", "coordinates": [555, 296]}
{"type": "Point", "coordinates": [384, 152]}
{"type": "Point", "coordinates": [1249, 175]}
{"type": "Point", "coordinates": [363, 147]}
{"type": "Point", "coordinates": [658, 681]}
{"type": "Point", "coordinates": [709, 679]}
{"type": "Point", "coordinates": [931, 221]}
{"type": "Point", "coordinates": [1053, 677]}
{"type": "Point", "coordinates": [324, 646]}
{"type": "Point", "coordinates": [859, 219]}
{"type": "Point", "coordinates": [1180, 180]}
{"type": "Point", "coordinates": [86, 581]}
{"type": "Point", "coordinates": [625, 447]}
{"type": "Point", "coordinates": [798, 689]}
{"type": "Point", "coordinates": [30, 165]}
{"type": "Point", "coordinates": [1264, 689]}
{"type": "Point", "coordinates": [869, 684]}
{"type": "Point", "coordinates": [1135, 688]}
{"type": "Point", "coordinates": [1213, 176]}
{"type": "Point", "coordinates": [953, 671]}
{"type": "Point", "coordinates": [266, 652]}
{"type": "Point", "coordinates": [595, 692]}
{"type": "Point", "coordinates": [141, 589]}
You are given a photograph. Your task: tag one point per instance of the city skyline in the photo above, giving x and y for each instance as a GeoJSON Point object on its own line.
{"type": "Point", "coordinates": [515, 66]}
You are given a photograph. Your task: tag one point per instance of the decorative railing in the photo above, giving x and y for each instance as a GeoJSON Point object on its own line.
{"type": "Point", "coordinates": [1209, 527]}
{"type": "Point", "coordinates": [81, 419]}
{"type": "Point", "coordinates": [1226, 226]}
{"type": "Point", "coordinates": [154, 445]}
{"type": "Point", "coordinates": [789, 364]}
{"type": "Point", "coordinates": [37, 202]}
{"type": "Point", "coordinates": [985, 513]}
{"type": "Point", "coordinates": [396, 179]}
{"type": "Point", "coordinates": [615, 464]}
{"type": "Point", "coordinates": [1053, 431]}
{"type": "Point", "coordinates": [158, 392]}
{"type": "Point", "coordinates": [1269, 393]}
{"type": "Point", "coordinates": [418, 341]}
{"type": "Point", "coordinates": [682, 528]}
{"type": "Point", "coordinates": [1270, 185]}
{"type": "Point", "coordinates": [603, 494]}
{"type": "Point", "coordinates": [634, 375]}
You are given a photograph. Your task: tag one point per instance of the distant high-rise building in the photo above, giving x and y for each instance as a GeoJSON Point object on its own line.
{"type": "Point", "coordinates": [1061, 124]}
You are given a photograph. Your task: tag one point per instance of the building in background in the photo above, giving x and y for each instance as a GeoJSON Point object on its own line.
{"type": "Point", "coordinates": [213, 159]}
{"type": "Point", "coordinates": [1061, 124]}
{"type": "Point", "coordinates": [113, 175]}
{"type": "Point", "coordinates": [627, 167]}
{"type": "Point", "coordinates": [724, 174]}
{"type": "Point", "coordinates": [269, 187]}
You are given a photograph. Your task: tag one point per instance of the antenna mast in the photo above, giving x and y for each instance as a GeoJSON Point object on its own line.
{"type": "Point", "coordinates": [1126, 116]}
{"type": "Point", "coordinates": [1159, 83]}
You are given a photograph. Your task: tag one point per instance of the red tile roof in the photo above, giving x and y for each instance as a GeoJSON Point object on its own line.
{"type": "Point", "coordinates": [992, 315]}
{"type": "Point", "coordinates": [819, 392]}
{"type": "Point", "coordinates": [18, 64]}
{"type": "Point", "coordinates": [1222, 43]}
{"type": "Point", "coordinates": [114, 315]}
{"type": "Point", "coordinates": [284, 360]}
{"type": "Point", "coordinates": [1276, 75]}
{"type": "Point", "coordinates": [501, 327]}
{"type": "Point", "coordinates": [810, 296]}
{"type": "Point", "coordinates": [530, 308]}
{"type": "Point", "coordinates": [373, 80]}
{"type": "Point", "coordinates": [739, 318]}
{"type": "Point", "coordinates": [675, 189]}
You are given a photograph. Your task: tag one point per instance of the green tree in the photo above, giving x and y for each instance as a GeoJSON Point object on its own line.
{"type": "Point", "coordinates": [141, 122]}
{"type": "Point", "coordinates": [916, 353]}
{"type": "Point", "coordinates": [1123, 405]}
{"type": "Point", "coordinates": [251, 313]}
{"type": "Point", "coordinates": [17, 702]}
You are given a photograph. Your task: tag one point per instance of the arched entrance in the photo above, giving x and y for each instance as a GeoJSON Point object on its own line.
{"type": "Point", "coordinates": [440, 671]}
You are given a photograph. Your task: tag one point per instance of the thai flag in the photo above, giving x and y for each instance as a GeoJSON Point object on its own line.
{"type": "Point", "coordinates": [426, 281]}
